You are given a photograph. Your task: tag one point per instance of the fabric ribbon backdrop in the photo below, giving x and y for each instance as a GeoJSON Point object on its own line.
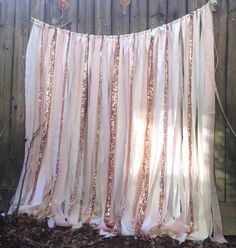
{"type": "Point", "coordinates": [122, 130]}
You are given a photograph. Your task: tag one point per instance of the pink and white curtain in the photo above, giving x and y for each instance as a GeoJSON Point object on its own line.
{"type": "Point", "coordinates": [122, 129]}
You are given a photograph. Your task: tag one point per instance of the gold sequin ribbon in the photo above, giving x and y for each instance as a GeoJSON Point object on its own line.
{"type": "Point", "coordinates": [41, 74]}
{"type": "Point", "coordinates": [190, 135]}
{"type": "Point", "coordinates": [99, 101]}
{"type": "Point", "coordinates": [165, 125]}
{"type": "Point", "coordinates": [83, 113]}
{"type": "Point", "coordinates": [147, 144]}
{"type": "Point", "coordinates": [131, 101]}
{"type": "Point", "coordinates": [113, 126]}
{"type": "Point", "coordinates": [45, 124]}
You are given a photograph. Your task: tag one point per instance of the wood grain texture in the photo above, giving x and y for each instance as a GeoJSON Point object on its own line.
{"type": "Point", "coordinates": [157, 13]}
{"type": "Point", "coordinates": [120, 18]}
{"type": "Point", "coordinates": [52, 15]}
{"type": "Point", "coordinates": [220, 27]}
{"type": "Point", "coordinates": [17, 133]}
{"type": "Point", "coordinates": [138, 15]}
{"type": "Point", "coordinates": [86, 11]}
{"type": "Point", "coordinates": [37, 9]}
{"type": "Point", "coordinates": [231, 104]}
{"type": "Point", "coordinates": [195, 4]}
{"type": "Point", "coordinates": [176, 9]}
{"type": "Point", "coordinates": [103, 17]}
{"type": "Point", "coordinates": [7, 15]}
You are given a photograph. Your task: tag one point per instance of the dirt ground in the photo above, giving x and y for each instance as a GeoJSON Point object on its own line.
{"type": "Point", "coordinates": [24, 231]}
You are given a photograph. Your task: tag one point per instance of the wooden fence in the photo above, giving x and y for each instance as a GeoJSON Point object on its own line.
{"type": "Point", "coordinates": [109, 17]}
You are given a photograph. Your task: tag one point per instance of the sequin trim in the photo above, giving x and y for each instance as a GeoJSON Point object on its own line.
{"type": "Point", "coordinates": [190, 122]}
{"type": "Point", "coordinates": [99, 100]}
{"type": "Point", "coordinates": [165, 124]}
{"type": "Point", "coordinates": [113, 126]}
{"type": "Point", "coordinates": [83, 113]}
{"type": "Point", "coordinates": [147, 144]}
{"type": "Point", "coordinates": [130, 120]}
{"type": "Point", "coordinates": [41, 74]}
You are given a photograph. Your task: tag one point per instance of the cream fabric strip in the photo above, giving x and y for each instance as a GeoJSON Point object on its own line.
{"type": "Point", "coordinates": [128, 142]}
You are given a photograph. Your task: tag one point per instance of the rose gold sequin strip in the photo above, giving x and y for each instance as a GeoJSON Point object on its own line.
{"type": "Point", "coordinates": [165, 124]}
{"type": "Point", "coordinates": [130, 118]}
{"type": "Point", "coordinates": [93, 197]}
{"type": "Point", "coordinates": [41, 72]}
{"type": "Point", "coordinates": [113, 125]}
{"type": "Point", "coordinates": [83, 113]}
{"type": "Point", "coordinates": [45, 124]}
{"type": "Point", "coordinates": [147, 144]}
{"type": "Point", "coordinates": [190, 120]}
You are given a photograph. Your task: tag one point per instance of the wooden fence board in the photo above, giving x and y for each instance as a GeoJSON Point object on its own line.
{"type": "Point", "coordinates": [81, 19]}
{"type": "Point", "coordinates": [7, 12]}
{"type": "Point", "coordinates": [220, 26]}
{"type": "Point", "coordinates": [37, 10]}
{"type": "Point", "coordinates": [138, 15]}
{"type": "Point", "coordinates": [176, 9]}
{"type": "Point", "coordinates": [90, 16]}
{"type": "Point", "coordinates": [193, 4]}
{"type": "Point", "coordinates": [51, 12]}
{"type": "Point", "coordinates": [157, 13]}
{"type": "Point", "coordinates": [120, 18]}
{"type": "Point", "coordinates": [103, 17]}
{"type": "Point", "coordinates": [231, 104]}
{"type": "Point", "coordinates": [17, 133]}
{"type": "Point", "coordinates": [85, 19]}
